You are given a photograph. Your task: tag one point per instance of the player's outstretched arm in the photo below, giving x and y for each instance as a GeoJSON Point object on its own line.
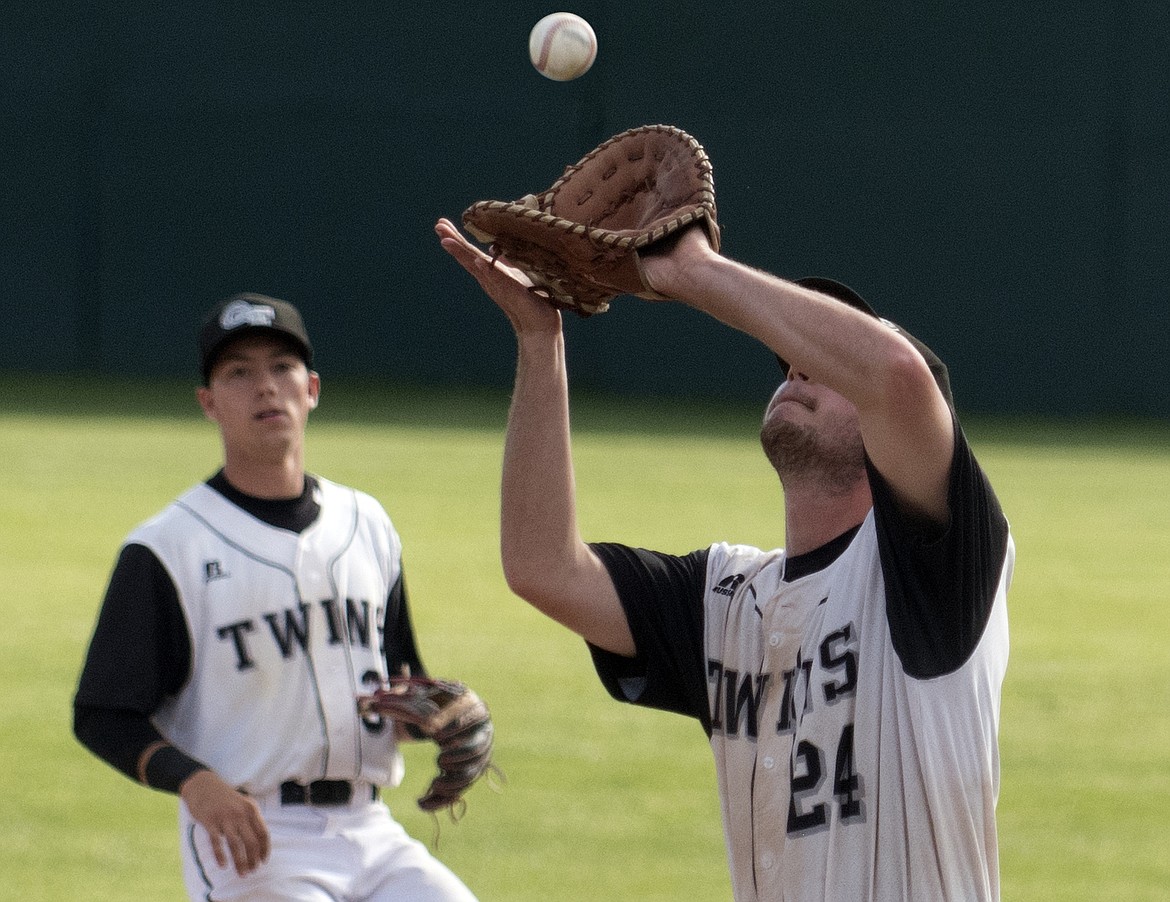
{"type": "Point", "coordinates": [905, 420]}
{"type": "Point", "coordinates": [544, 558]}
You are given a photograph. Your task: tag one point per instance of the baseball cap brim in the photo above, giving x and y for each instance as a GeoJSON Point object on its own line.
{"type": "Point", "coordinates": [842, 292]}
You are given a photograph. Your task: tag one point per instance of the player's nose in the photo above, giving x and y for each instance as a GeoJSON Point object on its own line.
{"type": "Point", "coordinates": [266, 383]}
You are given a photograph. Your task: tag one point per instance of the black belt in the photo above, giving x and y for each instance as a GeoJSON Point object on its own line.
{"type": "Point", "coordinates": [320, 792]}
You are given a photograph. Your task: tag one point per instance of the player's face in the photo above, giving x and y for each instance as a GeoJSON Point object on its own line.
{"type": "Point", "coordinates": [260, 393]}
{"type": "Point", "coordinates": [809, 428]}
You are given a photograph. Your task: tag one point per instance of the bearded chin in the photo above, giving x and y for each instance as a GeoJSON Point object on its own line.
{"type": "Point", "coordinates": [799, 454]}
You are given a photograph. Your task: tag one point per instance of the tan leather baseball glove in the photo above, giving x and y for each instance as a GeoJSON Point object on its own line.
{"type": "Point", "coordinates": [579, 241]}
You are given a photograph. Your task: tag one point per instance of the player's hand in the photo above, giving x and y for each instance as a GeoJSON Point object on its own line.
{"type": "Point", "coordinates": [665, 267]}
{"type": "Point", "coordinates": [231, 819]}
{"type": "Point", "coordinates": [504, 284]}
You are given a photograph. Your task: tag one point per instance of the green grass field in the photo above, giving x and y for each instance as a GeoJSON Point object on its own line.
{"type": "Point", "coordinates": [602, 801]}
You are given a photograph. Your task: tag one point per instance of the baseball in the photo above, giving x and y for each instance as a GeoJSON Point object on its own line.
{"type": "Point", "coordinates": [562, 46]}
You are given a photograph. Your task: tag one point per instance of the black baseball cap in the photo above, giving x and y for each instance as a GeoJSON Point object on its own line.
{"type": "Point", "coordinates": [841, 292]}
{"type": "Point", "coordinates": [248, 313]}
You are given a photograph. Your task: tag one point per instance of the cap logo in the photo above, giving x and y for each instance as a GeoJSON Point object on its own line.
{"type": "Point", "coordinates": [241, 313]}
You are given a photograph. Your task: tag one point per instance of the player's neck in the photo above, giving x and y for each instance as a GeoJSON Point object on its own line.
{"type": "Point", "coordinates": [266, 479]}
{"type": "Point", "coordinates": [811, 519]}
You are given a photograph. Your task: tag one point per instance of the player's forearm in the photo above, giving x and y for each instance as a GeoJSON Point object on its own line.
{"type": "Point", "coordinates": [538, 522]}
{"type": "Point", "coordinates": [829, 342]}
{"type": "Point", "coordinates": [130, 743]}
{"type": "Point", "coordinates": [545, 561]}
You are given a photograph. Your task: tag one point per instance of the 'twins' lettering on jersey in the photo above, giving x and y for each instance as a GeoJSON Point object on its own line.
{"type": "Point", "coordinates": [737, 698]}
{"type": "Point", "coordinates": [745, 704]}
{"type": "Point", "coordinates": [360, 625]}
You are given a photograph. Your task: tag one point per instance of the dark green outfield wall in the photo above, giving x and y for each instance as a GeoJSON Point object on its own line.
{"type": "Point", "coordinates": [994, 175]}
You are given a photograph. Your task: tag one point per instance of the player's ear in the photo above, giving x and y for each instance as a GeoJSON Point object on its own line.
{"type": "Point", "coordinates": [207, 401]}
{"type": "Point", "coordinates": [314, 389]}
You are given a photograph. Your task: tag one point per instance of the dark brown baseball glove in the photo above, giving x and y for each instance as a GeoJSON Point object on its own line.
{"type": "Point", "coordinates": [450, 715]}
{"type": "Point", "coordinates": [579, 241]}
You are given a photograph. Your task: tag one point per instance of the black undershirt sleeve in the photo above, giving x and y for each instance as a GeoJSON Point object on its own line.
{"type": "Point", "coordinates": [662, 596]}
{"type": "Point", "coordinates": [399, 632]}
{"type": "Point", "coordinates": [400, 648]}
{"type": "Point", "coordinates": [139, 654]}
{"type": "Point", "coordinates": [941, 581]}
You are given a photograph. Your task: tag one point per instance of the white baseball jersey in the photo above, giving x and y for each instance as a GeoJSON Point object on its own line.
{"type": "Point", "coordinates": [851, 697]}
{"type": "Point", "coordinates": [285, 630]}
